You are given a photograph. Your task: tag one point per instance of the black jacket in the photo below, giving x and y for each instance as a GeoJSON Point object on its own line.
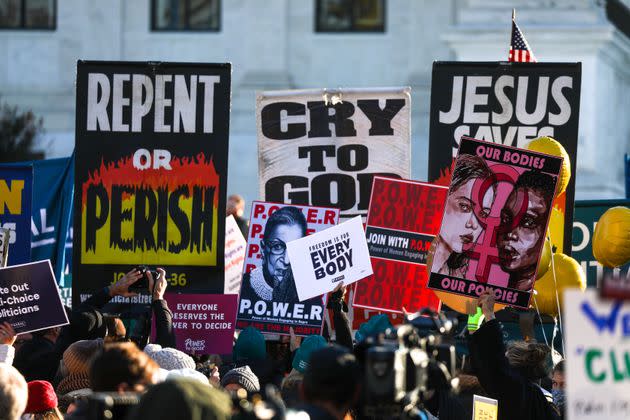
{"type": "Point", "coordinates": [519, 399]}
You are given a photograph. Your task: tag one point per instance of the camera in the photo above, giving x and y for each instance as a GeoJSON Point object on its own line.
{"type": "Point", "coordinates": [406, 367]}
{"type": "Point", "coordinates": [143, 282]}
{"type": "Point", "coordinates": [110, 405]}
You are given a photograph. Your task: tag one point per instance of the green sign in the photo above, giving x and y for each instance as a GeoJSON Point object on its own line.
{"type": "Point", "coordinates": [587, 214]}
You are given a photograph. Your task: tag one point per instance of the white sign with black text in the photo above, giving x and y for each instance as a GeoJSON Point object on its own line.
{"type": "Point", "coordinates": [322, 260]}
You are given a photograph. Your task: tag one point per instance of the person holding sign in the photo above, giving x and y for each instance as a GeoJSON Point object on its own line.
{"type": "Point", "coordinates": [523, 225]}
{"type": "Point", "coordinates": [511, 376]}
{"type": "Point", "coordinates": [464, 227]}
{"type": "Point", "coordinates": [273, 280]}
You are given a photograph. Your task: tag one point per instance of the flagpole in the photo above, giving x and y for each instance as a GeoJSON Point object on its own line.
{"type": "Point", "coordinates": [513, 14]}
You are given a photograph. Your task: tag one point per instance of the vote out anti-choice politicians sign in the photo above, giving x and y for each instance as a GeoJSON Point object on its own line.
{"type": "Point", "coordinates": [268, 298]}
{"type": "Point", "coordinates": [29, 299]}
{"type": "Point", "coordinates": [597, 351]}
{"type": "Point", "coordinates": [403, 218]}
{"type": "Point", "coordinates": [323, 260]}
{"type": "Point", "coordinates": [203, 324]}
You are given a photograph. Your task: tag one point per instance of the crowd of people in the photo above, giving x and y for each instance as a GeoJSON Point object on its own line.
{"type": "Point", "coordinates": [89, 369]}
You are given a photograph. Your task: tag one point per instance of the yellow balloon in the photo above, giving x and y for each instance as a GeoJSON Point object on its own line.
{"type": "Point", "coordinates": [545, 259]}
{"type": "Point", "coordinates": [611, 239]}
{"type": "Point", "coordinates": [550, 146]}
{"type": "Point", "coordinates": [458, 303]}
{"type": "Point", "coordinates": [569, 273]}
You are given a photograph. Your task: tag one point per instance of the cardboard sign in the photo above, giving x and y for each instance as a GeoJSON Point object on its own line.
{"type": "Point", "coordinates": [495, 220]}
{"type": "Point", "coordinates": [485, 408]}
{"type": "Point", "coordinates": [203, 324]}
{"type": "Point", "coordinates": [507, 104]}
{"type": "Point", "coordinates": [597, 351]}
{"type": "Point", "coordinates": [16, 186]}
{"type": "Point", "coordinates": [268, 298]}
{"type": "Point", "coordinates": [29, 299]}
{"type": "Point", "coordinates": [150, 173]}
{"type": "Point", "coordinates": [234, 256]}
{"type": "Point", "coordinates": [323, 147]}
{"type": "Point", "coordinates": [403, 219]}
{"type": "Point", "coordinates": [322, 260]}
{"type": "Point", "coordinates": [587, 214]}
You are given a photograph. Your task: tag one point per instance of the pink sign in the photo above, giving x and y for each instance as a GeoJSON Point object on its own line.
{"type": "Point", "coordinates": [203, 324]}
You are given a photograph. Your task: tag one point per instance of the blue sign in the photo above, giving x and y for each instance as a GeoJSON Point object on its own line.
{"type": "Point", "coordinates": [15, 210]}
{"type": "Point", "coordinates": [53, 188]}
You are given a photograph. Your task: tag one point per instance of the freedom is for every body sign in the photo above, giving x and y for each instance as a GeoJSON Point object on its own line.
{"type": "Point", "coordinates": [150, 173]}
{"type": "Point", "coordinates": [403, 219]}
{"type": "Point", "coordinates": [508, 104]}
{"type": "Point", "coordinates": [323, 147]}
{"type": "Point", "coordinates": [596, 333]}
{"type": "Point", "coordinates": [336, 255]}
{"type": "Point", "coordinates": [16, 186]}
{"type": "Point", "coordinates": [268, 298]}
{"type": "Point", "coordinates": [495, 222]}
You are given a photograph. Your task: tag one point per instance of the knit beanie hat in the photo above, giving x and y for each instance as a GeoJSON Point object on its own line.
{"type": "Point", "coordinates": [250, 345]}
{"type": "Point", "coordinates": [187, 373]}
{"type": "Point", "coordinates": [169, 358]}
{"type": "Point", "coordinates": [375, 325]}
{"type": "Point", "coordinates": [78, 355]}
{"type": "Point", "coordinates": [303, 353]}
{"type": "Point", "coordinates": [242, 376]}
{"type": "Point", "coordinates": [183, 399]}
{"type": "Point", "coordinates": [41, 397]}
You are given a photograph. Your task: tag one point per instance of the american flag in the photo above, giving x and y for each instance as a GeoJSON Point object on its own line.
{"type": "Point", "coordinates": [519, 48]}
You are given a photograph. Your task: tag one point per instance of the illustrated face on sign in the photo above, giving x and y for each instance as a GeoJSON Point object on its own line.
{"type": "Point", "coordinates": [523, 223]}
{"type": "Point", "coordinates": [276, 264]}
{"type": "Point", "coordinates": [463, 225]}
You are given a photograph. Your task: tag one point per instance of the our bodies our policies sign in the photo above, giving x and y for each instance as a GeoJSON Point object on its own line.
{"type": "Point", "coordinates": [150, 178]}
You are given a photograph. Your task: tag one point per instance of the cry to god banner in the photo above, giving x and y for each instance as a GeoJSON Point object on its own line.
{"type": "Point", "coordinates": [509, 104]}
{"type": "Point", "coordinates": [151, 166]}
{"type": "Point", "coordinates": [324, 148]}
{"type": "Point", "coordinates": [495, 218]}
{"type": "Point", "coordinates": [403, 219]}
{"type": "Point", "coordinates": [268, 298]}
{"type": "Point", "coordinates": [16, 186]}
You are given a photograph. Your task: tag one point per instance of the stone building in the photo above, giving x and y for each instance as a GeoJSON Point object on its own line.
{"type": "Point", "coordinates": [283, 44]}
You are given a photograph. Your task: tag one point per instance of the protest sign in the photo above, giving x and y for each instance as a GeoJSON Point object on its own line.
{"type": "Point", "coordinates": [234, 256]}
{"type": "Point", "coordinates": [508, 104]}
{"type": "Point", "coordinates": [16, 186]}
{"type": "Point", "coordinates": [403, 218]}
{"type": "Point", "coordinates": [268, 298]}
{"type": "Point", "coordinates": [587, 213]}
{"type": "Point", "coordinates": [51, 228]}
{"type": "Point", "coordinates": [4, 246]}
{"type": "Point", "coordinates": [29, 299]}
{"type": "Point", "coordinates": [322, 260]}
{"type": "Point", "coordinates": [150, 173]}
{"type": "Point", "coordinates": [485, 408]}
{"type": "Point", "coordinates": [495, 219]}
{"type": "Point", "coordinates": [323, 147]}
{"type": "Point", "coordinates": [597, 352]}
{"type": "Point", "coordinates": [203, 324]}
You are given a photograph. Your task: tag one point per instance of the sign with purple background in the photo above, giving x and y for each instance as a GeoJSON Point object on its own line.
{"type": "Point", "coordinates": [203, 324]}
{"type": "Point", "coordinates": [29, 299]}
